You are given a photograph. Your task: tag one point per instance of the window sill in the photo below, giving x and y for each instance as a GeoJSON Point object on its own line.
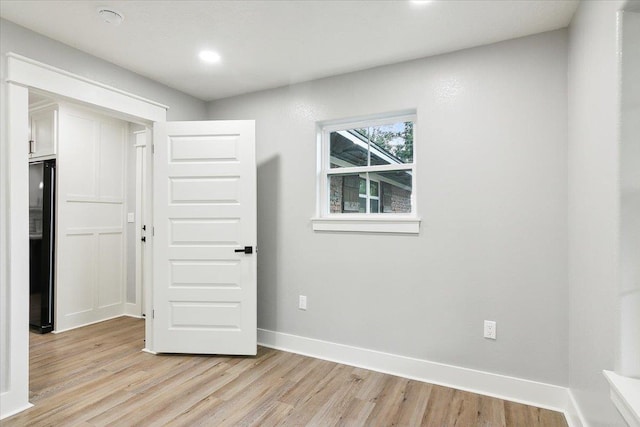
{"type": "Point", "coordinates": [625, 394]}
{"type": "Point", "coordinates": [367, 225]}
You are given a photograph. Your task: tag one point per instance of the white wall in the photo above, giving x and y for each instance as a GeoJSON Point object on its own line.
{"type": "Point", "coordinates": [491, 188]}
{"type": "Point", "coordinates": [593, 208]}
{"type": "Point", "coordinates": [130, 294]}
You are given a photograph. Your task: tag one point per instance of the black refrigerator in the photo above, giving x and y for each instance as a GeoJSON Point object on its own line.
{"type": "Point", "coordinates": [42, 179]}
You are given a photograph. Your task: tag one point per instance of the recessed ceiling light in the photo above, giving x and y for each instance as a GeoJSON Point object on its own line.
{"type": "Point", "coordinates": [421, 2]}
{"type": "Point", "coordinates": [209, 56]}
{"type": "Point", "coordinates": [110, 16]}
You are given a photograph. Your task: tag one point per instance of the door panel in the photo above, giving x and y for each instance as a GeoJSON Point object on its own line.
{"type": "Point", "coordinates": [90, 277]}
{"type": "Point", "coordinates": [204, 209]}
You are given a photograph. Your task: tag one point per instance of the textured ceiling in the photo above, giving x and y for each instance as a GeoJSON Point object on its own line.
{"type": "Point", "coordinates": [270, 43]}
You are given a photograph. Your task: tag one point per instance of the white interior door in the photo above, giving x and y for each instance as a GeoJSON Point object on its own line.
{"type": "Point", "coordinates": [204, 289]}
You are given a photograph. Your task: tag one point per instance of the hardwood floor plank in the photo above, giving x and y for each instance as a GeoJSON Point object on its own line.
{"type": "Point", "coordinates": [356, 414]}
{"type": "Point", "coordinates": [388, 402]}
{"type": "Point", "coordinates": [316, 398]}
{"type": "Point", "coordinates": [277, 382]}
{"type": "Point", "coordinates": [551, 418]}
{"type": "Point", "coordinates": [374, 384]}
{"type": "Point", "coordinates": [414, 404]}
{"type": "Point", "coordinates": [254, 399]}
{"type": "Point", "coordinates": [491, 412]}
{"type": "Point", "coordinates": [149, 396]}
{"type": "Point", "coordinates": [518, 414]}
{"type": "Point", "coordinates": [98, 376]}
{"type": "Point", "coordinates": [331, 412]}
{"type": "Point", "coordinates": [272, 417]}
{"type": "Point", "coordinates": [463, 409]}
{"type": "Point", "coordinates": [165, 406]}
{"type": "Point", "coordinates": [318, 375]}
{"type": "Point", "coordinates": [96, 400]}
{"type": "Point", "coordinates": [438, 406]}
{"type": "Point", "coordinates": [200, 413]}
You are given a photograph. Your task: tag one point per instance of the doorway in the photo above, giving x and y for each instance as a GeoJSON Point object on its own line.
{"type": "Point", "coordinates": [206, 220]}
{"type": "Point", "coordinates": [91, 150]}
{"type": "Point", "coordinates": [140, 228]}
{"type": "Point", "coordinates": [23, 75]}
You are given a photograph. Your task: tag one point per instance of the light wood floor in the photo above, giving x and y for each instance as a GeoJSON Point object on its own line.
{"type": "Point", "coordinates": [97, 375]}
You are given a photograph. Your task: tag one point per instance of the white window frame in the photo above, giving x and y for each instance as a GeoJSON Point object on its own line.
{"type": "Point", "coordinates": [324, 220]}
{"type": "Point", "coordinates": [367, 194]}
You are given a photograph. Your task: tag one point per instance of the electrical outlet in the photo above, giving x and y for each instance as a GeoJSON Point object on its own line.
{"type": "Point", "coordinates": [302, 302]}
{"type": "Point", "coordinates": [490, 329]}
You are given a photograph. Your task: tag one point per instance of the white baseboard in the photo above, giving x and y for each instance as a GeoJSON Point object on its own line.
{"type": "Point", "coordinates": [132, 310]}
{"type": "Point", "coordinates": [573, 414]}
{"type": "Point", "coordinates": [58, 331]}
{"type": "Point", "coordinates": [135, 316]}
{"type": "Point", "coordinates": [624, 392]}
{"type": "Point", "coordinates": [519, 390]}
{"type": "Point", "coordinates": [9, 410]}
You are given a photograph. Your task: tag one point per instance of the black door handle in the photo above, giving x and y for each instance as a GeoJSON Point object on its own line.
{"type": "Point", "coordinates": [246, 250]}
{"type": "Point", "coordinates": [143, 238]}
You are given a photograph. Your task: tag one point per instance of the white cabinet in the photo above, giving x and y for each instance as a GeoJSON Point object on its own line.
{"type": "Point", "coordinates": [44, 132]}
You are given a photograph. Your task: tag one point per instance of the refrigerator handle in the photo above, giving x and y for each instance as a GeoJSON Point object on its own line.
{"type": "Point", "coordinates": [32, 146]}
{"type": "Point", "coordinates": [52, 227]}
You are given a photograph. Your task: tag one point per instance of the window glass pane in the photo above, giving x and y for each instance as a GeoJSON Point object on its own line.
{"type": "Point", "coordinates": [373, 191]}
{"type": "Point", "coordinates": [391, 144]}
{"type": "Point", "coordinates": [348, 148]}
{"type": "Point", "coordinates": [395, 191]}
{"type": "Point", "coordinates": [363, 148]}
{"type": "Point", "coordinates": [344, 194]}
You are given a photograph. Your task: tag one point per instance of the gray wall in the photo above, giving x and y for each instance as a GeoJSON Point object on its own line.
{"type": "Point", "coordinates": [593, 206]}
{"type": "Point", "coordinates": [629, 292]}
{"type": "Point", "coordinates": [491, 188]}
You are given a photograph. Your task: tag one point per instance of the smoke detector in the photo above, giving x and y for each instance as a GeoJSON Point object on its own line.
{"type": "Point", "coordinates": [110, 16]}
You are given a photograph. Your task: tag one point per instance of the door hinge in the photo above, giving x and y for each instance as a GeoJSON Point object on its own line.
{"type": "Point", "coordinates": [153, 231]}
{"type": "Point", "coordinates": [153, 148]}
{"type": "Point", "coordinates": [153, 314]}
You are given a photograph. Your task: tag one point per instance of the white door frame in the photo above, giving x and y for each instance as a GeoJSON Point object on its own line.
{"type": "Point", "coordinates": [141, 151]}
{"type": "Point", "coordinates": [24, 74]}
{"type": "Point", "coordinates": [137, 309]}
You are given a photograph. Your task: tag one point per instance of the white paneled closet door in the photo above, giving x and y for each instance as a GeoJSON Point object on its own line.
{"type": "Point", "coordinates": [90, 218]}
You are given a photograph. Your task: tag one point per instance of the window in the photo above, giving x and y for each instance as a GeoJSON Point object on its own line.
{"type": "Point", "coordinates": [367, 176]}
